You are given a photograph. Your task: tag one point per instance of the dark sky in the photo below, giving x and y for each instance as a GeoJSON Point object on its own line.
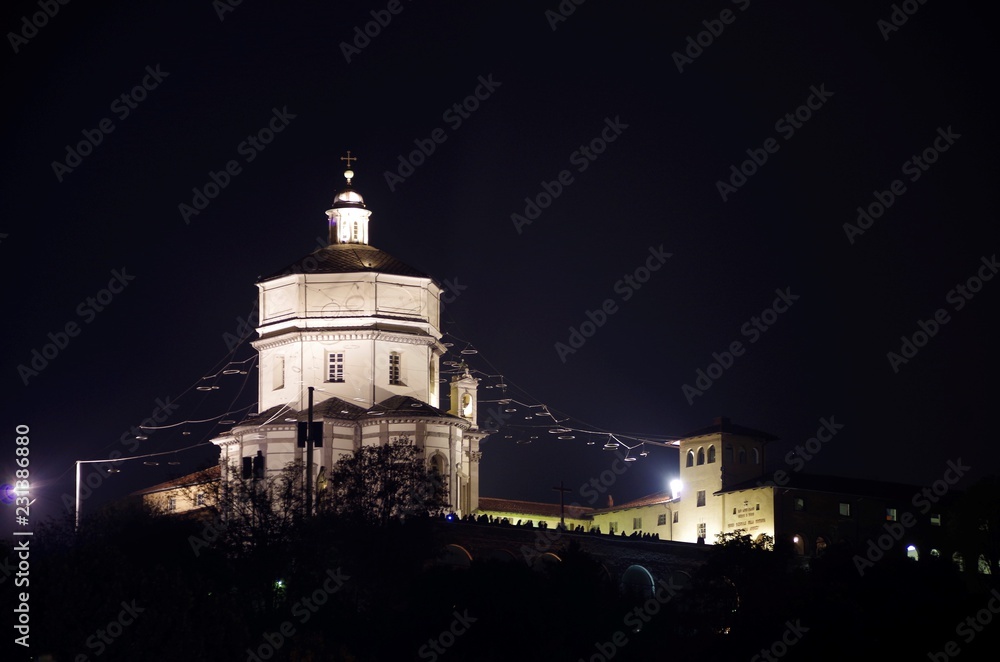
{"type": "Point", "coordinates": [876, 103]}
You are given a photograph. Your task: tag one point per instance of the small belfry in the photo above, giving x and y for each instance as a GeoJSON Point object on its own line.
{"type": "Point", "coordinates": [348, 216]}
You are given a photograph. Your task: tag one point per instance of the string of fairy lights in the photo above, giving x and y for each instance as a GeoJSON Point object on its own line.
{"type": "Point", "coordinates": [511, 414]}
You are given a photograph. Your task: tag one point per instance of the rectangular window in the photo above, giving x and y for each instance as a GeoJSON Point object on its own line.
{"type": "Point", "coordinates": [636, 523]}
{"type": "Point", "coordinates": [845, 510]}
{"type": "Point", "coordinates": [702, 530]}
{"type": "Point", "coordinates": [661, 519]}
{"type": "Point", "coordinates": [936, 519]}
{"type": "Point", "coordinates": [335, 370]}
{"type": "Point", "coordinates": [395, 376]}
{"type": "Point", "coordinates": [701, 498]}
{"type": "Point", "coordinates": [890, 514]}
{"type": "Point", "coordinates": [677, 516]}
{"type": "Point", "coordinates": [278, 378]}
{"type": "Point", "coordinates": [798, 504]}
{"type": "Point", "coordinates": [172, 504]}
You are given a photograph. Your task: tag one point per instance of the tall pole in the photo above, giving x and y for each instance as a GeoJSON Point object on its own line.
{"type": "Point", "coordinates": [309, 457]}
{"type": "Point", "coordinates": [562, 503]}
{"type": "Point", "coordinates": [76, 527]}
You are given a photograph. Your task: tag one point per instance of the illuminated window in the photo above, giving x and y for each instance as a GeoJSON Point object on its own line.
{"type": "Point", "coordinates": [661, 519]}
{"type": "Point", "coordinates": [711, 454]}
{"type": "Point", "coordinates": [395, 378]}
{"type": "Point", "coordinates": [845, 510]}
{"type": "Point", "coordinates": [890, 514]}
{"type": "Point", "coordinates": [935, 553]}
{"type": "Point", "coordinates": [636, 523]}
{"type": "Point", "coordinates": [676, 516]}
{"type": "Point", "coordinates": [172, 504]}
{"type": "Point", "coordinates": [335, 367]}
{"type": "Point", "coordinates": [701, 456]}
{"type": "Point", "coordinates": [798, 504]}
{"type": "Point", "coordinates": [936, 519]}
{"type": "Point", "coordinates": [701, 498]}
{"type": "Point", "coordinates": [278, 377]}
{"type": "Point", "coordinates": [690, 459]}
{"type": "Point", "coordinates": [912, 553]}
{"type": "Point", "coordinates": [984, 565]}
{"type": "Point", "coordinates": [702, 530]}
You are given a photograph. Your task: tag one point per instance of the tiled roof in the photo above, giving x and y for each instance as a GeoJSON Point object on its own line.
{"type": "Point", "coordinates": [336, 408]}
{"type": "Point", "coordinates": [529, 508]}
{"type": "Point", "coordinates": [197, 478]}
{"type": "Point", "coordinates": [405, 405]}
{"type": "Point", "coordinates": [649, 500]}
{"type": "Point", "coordinates": [723, 424]}
{"type": "Point", "coordinates": [833, 485]}
{"type": "Point", "coordinates": [348, 258]}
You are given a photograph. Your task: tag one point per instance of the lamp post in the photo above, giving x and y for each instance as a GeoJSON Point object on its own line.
{"type": "Point", "coordinates": [110, 461]}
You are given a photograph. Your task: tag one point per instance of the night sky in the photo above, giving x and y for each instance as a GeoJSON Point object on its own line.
{"type": "Point", "coordinates": [632, 138]}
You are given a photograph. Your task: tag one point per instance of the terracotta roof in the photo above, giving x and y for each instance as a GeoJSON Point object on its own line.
{"type": "Point", "coordinates": [529, 508]}
{"type": "Point", "coordinates": [649, 500]}
{"type": "Point", "coordinates": [347, 258]}
{"type": "Point", "coordinates": [197, 478]}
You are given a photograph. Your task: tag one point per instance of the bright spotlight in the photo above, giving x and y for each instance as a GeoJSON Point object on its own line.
{"type": "Point", "coordinates": [675, 487]}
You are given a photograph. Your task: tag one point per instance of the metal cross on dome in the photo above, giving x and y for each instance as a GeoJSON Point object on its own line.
{"type": "Point", "coordinates": [348, 158]}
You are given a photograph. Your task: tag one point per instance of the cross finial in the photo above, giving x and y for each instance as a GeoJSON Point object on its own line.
{"type": "Point", "coordinates": [349, 174]}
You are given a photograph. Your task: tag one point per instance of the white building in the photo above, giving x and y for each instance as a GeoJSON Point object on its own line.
{"type": "Point", "coordinates": [362, 329]}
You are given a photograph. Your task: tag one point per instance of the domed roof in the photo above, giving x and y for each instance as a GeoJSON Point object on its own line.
{"type": "Point", "coordinates": [348, 198]}
{"type": "Point", "coordinates": [347, 258]}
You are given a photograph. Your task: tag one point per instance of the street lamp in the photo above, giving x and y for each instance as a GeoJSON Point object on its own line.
{"type": "Point", "coordinates": [115, 470]}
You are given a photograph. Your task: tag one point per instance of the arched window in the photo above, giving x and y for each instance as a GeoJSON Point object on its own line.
{"type": "Point", "coordinates": [727, 453]}
{"type": "Point", "coordinates": [959, 561]}
{"type": "Point", "coordinates": [912, 553]}
{"type": "Point", "coordinates": [701, 456]}
{"type": "Point", "coordinates": [711, 454]}
{"type": "Point", "coordinates": [439, 464]}
{"type": "Point", "coordinates": [690, 459]}
{"type": "Point", "coordinates": [743, 455]}
{"type": "Point", "coordinates": [756, 456]}
{"type": "Point", "coordinates": [799, 544]}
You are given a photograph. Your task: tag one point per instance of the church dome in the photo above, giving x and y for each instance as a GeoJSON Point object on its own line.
{"type": "Point", "coordinates": [348, 198]}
